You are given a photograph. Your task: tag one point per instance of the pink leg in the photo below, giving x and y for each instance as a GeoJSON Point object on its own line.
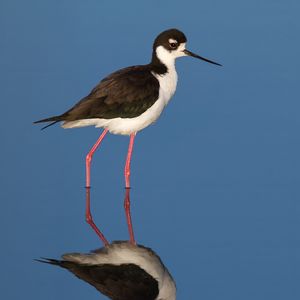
{"type": "Point", "coordinates": [88, 215]}
{"type": "Point", "coordinates": [128, 159]}
{"type": "Point", "coordinates": [89, 156]}
{"type": "Point", "coordinates": [127, 188]}
{"type": "Point", "coordinates": [89, 218]}
{"type": "Point", "coordinates": [128, 216]}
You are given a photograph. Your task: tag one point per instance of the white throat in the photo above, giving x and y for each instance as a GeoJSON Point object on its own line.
{"type": "Point", "coordinates": [166, 57]}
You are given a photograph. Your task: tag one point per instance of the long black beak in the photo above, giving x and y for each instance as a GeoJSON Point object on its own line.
{"type": "Point", "coordinates": [189, 53]}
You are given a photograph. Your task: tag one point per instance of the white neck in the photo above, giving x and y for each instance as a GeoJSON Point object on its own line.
{"type": "Point", "coordinates": [168, 80]}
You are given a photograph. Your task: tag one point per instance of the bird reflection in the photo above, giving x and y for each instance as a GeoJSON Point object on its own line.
{"type": "Point", "coordinates": [89, 218]}
{"type": "Point", "coordinates": [121, 271]}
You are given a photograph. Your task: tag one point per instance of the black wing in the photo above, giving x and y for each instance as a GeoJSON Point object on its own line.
{"type": "Point", "coordinates": [126, 93]}
{"type": "Point", "coordinates": [123, 282]}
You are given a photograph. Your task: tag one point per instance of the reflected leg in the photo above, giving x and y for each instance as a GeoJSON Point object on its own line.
{"type": "Point", "coordinates": [128, 215]}
{"type": "Point", "coordinates": [89, 218]}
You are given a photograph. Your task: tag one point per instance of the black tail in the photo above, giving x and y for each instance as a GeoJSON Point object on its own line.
{"type": "Point", "coordinates": [49, 261]}
{"type": "Point", "coordinates": [54, 120]}
{"type": "Point", "coordinates": [61, 263]}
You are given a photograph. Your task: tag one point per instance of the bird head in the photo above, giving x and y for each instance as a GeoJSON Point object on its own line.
{"type": "Point", "coordinates": [171, 44]}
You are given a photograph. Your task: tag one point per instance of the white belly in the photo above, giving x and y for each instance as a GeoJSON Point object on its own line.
{"type": "Point", "coordinates": [126, 126]}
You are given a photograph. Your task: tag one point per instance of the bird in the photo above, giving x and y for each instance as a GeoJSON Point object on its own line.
{"type": "Point", "coordinates": [121, 271]}
{"type": "Point", "coordinates": [130, 99]}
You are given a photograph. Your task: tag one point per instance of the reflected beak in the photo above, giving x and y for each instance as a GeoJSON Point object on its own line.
{"type": "Point", "coordinates": [189, 53]}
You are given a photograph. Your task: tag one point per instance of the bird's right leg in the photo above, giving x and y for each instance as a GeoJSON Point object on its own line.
{"type": "Point", "coordinates": [88, 215]}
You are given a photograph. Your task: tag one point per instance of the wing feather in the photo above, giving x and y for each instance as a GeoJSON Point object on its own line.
{"type": "Point", "coordinates": [126, 93]}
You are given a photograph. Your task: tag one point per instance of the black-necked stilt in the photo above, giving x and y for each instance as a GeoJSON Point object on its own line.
{"type": "Point", "coordinates": [122, 271]}
{"type": "Point", "coordinates": [130, 99]}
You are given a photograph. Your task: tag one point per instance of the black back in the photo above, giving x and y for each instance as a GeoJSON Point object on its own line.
{"type": "Point", "coordinates": [123, 282]}
{"type": "Point", "coordinates": [126, 93]}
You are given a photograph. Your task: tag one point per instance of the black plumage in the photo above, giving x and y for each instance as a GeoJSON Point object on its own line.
{"type": "Point", "coordinates": [118, 282]}
{"type": "Point", "coordinates": [126, 93]}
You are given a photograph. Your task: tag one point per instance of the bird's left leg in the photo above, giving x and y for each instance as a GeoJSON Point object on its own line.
{"type": "Point", "coordinates": [127, 188]}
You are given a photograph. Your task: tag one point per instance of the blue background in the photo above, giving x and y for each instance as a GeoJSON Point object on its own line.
{"type": "Point", "coordinates": [215, 180]}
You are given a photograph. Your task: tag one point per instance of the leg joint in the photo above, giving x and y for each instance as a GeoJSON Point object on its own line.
{"type": "Point", "coordinates": [89, 218]}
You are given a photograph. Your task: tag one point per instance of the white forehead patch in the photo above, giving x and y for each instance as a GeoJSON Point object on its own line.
{"type": "Point", "coordinates": [172, 41]}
